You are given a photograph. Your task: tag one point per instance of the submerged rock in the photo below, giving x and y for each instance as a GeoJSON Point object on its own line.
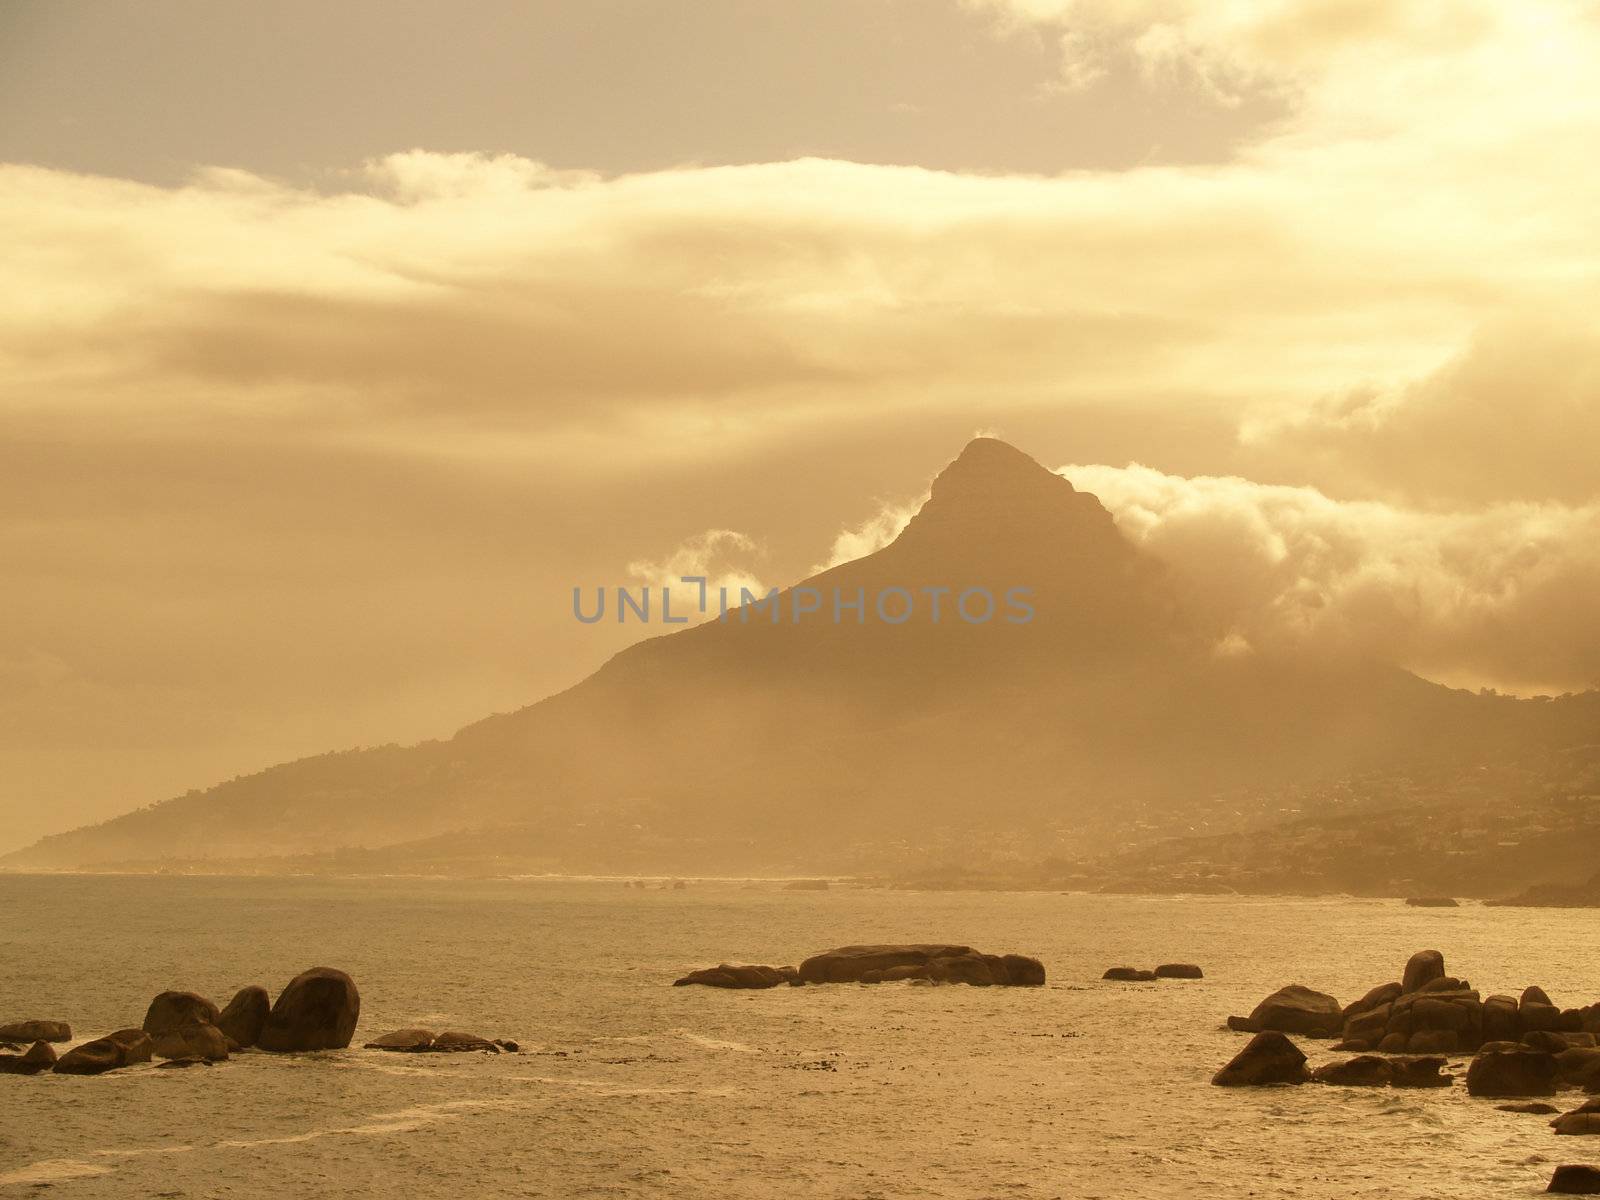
{"type": "Point", "coordinates": [739, 975]}
{"type": "Point", "coordinates": [123, 1048]}
{"type": "Point", "coordinates": [1269, 1058]}
{"type": "Point", "coordinates": [1536, 1108]}
{"type": "Point", "coordinates": [937, 963]}
{"type": "Point", "coordinates": [41, 1056]}
{"type": "Point", "coordinates": [317, 1011]}
{"type": "Point", "coordinates": [36, 1031]}
{"type": "Point", "coordinates": [1366, 1070]}
{"type": "Point", "coordinates": [1129, 975]}
{"type": "Point", "coordinates": [455, 1042]}
{"type": "Point", "coordinates": [245, 1016]}
{"type": "Point", "coordinates": [1583, 1121]}
{"type": "Point", "coordinates": [1179, 971]}
{"type": "Point", "coordinates": [403, 1041]}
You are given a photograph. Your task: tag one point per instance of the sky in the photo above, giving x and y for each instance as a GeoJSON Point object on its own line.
{"type": "Point", "coordinates": [339, 342]}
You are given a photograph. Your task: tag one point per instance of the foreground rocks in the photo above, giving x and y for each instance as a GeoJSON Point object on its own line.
{"type": "Point", "coordinates": [934, 963]}
{"type": "Point", "coordinates": [197, 1039]}
{"type": "Point", "coordinates": [1512, 1073]}
{"type": "Point", "coordinates": [1371, 1070]}
{"type": "Point", "coordinates": [1576, 1180]}
{"type": "Point", "coordinates": [317, 1011]}
{"type": "Point", "coordinates": [36, 1031]}
{"type": "Point", "coordinates": [731, 975]}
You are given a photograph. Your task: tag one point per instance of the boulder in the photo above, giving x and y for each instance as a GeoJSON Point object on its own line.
{"type": "Point", "coordinates": [731, 975]}
{"type": "Point", "coordinates": [41, 1056]}
{"type": "Point", "coordinates": [120, 1049]}
{"type": "Point", "coordinates": [454, 1042]}
{"type": "Point", "coordinates": [317, 1011]}
{"type": "Point", "coordinates": [1179, 971]}
{"type": "Point", "coordinates": [1298, 1009]}
{"type": "Point", "coordinates": [940, 962]}
{"type": "Point", "coordinates": [1129, 975]}
{"type": "Point", "coordinates": [1533, 1017]}
{"type": "Point", "coordinates": [1394, 1043]}
{"type": "Point", "coordinates": [403, 1041]}
{"type": "Point", "coordinates": [1421, 968]}
{"type": "Point", "coordinates": [1544, 1039]}
{"type": "Point", "coordinates": [1578, 1065]}
{"type": "Point", "coordinates": [1575, 1179]}
{"type": "Point", "coordinates": [1269, 1058]}
{"type": "Point", "coordinates": [169, 1010]}
{"type": "Point", "coordinates": [1369, 1026]}
{"type": "Point", "coordinates": [1536, 1108]}
{"type": "Point", "coordinates": [1383, 996]}
{"type": "Point", "coordinates": [1512, 1073]}
{"type": "Point", "coordinates": [1583, 1121]}
{"type": "Point", "coordinates": [194, 1040]}
{"type": "Point", "coordinates": [1535, 995]}
{"type": "Point", "coordinates": [36, 1031]}
{"type": "Point", "coordinates": [245, 1015]}
{"type": "Point", "coordinates": [1366, 1070]}
{"type": "Point", "coordinates": [1500, 1019]}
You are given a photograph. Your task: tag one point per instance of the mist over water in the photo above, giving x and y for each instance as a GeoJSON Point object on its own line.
{"type": "Point", "coordinates": [630, 1087]}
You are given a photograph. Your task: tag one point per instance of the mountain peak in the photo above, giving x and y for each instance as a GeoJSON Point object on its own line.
{"type": "Point", "coordinates": [987, 465]}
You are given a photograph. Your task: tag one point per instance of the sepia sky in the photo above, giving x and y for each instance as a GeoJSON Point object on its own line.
{"type": "Point", "coordinates": [338, 342]}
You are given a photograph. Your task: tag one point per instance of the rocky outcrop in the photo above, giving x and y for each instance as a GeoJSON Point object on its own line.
{"type": "Point", "coordinates": [41, 1056]}
{"type": "Point", "coordinates": [316, 1011]}
{"type": "Point", "coordinates": [936, 963]}
{"type": "Point", "coordinates": [1179, 971]}
{"type": "Point", "coordinates": [1294, 1009]}
{"type": "Point", "coordinates": [1512, 1073]}
{"type": "Point", "coordinates": [1575, 1179]}
{"type": "Point", "coordinates": [735, 975]}
{"type": "Point", "coordinates": [1583, 1121]}
{"type": "Point", "coordinates": [170, 1010]}
{"type": "Point", "coordinates": [123, 1048]}
{"type": "Point", "coordinates": [1269, 1058]}
{"type": "Point", "coordinates": [245, 1015]}
{"type": "Point", "coordinates": [197, 1039]}
{"type": "Point", "coordinates": [36, 1031]}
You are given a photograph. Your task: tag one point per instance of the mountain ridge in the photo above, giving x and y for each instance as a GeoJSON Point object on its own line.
{"type": "Point", "coordinates": [802, 742]}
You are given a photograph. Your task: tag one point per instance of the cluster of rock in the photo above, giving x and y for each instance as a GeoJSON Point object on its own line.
{"type": "Point", "coordinates": [316, 1011]}
{"type": "Point", "coordinates": [1426, 1012]}
{"type": "Point", "coordinates": [1272, 1058]}
{"type": "Point", "coordinates": [882, 964]}
{"type": "Point", "coordinates": [1164, 971]}
{"type": "Point", "coordinates": [425, 1041]}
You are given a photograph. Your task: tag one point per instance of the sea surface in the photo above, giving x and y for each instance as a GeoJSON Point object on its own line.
{"type": "Point", "coordinates": [629, 1087]}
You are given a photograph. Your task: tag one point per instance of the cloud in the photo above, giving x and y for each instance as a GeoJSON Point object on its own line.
{"type": "Point", "coordinates": [1501, 594]}
{"type": "Point", "coordinates": [718, 557]}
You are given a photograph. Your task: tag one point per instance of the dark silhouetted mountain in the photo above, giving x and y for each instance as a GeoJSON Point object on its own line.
{"type": "Point", "coordinates": [752, 743]}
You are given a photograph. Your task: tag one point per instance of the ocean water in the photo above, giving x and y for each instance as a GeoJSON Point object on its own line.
{"type": "Point", "coordinates": [629, 1087]}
